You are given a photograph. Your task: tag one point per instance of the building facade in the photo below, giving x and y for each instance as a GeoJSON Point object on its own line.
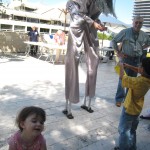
{"type": "Point", "coordinates": [142, 8]}
{"type": "Point", "coordinates": [21, 15]}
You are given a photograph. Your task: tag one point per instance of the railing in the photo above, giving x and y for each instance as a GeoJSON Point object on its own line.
{"type": "Point", "coordinates": [12, 26]}
{"type": "Point", "coordinates": [6, 30]}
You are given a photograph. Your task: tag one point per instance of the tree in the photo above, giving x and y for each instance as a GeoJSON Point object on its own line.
{"type": "Point", "coordinates": [104, 36]}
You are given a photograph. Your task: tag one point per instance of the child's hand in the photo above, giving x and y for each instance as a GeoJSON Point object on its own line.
{"type": "Point", "coordinates": [140, 70]}
{"type": "Point", "coordinates": [120, 64]}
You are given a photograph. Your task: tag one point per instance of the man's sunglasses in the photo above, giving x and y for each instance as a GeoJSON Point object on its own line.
{"type": "Point", "coordinates": [138, 22]}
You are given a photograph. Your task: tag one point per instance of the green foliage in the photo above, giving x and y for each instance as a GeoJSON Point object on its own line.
{"type": "Point", "coordinates": [104, 36]}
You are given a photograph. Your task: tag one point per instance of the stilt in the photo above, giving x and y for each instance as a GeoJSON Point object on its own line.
{"type": "Point", "coordinates": [89, 105]}
{"type": "Point", "coordinates": [67, 104]}
{"type": "Point", "coordinates": [67, 110]}
{"type": "Point", "coordinates": [84, 101]}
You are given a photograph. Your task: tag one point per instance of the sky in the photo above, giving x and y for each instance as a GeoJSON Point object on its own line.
{"type": "Point", "coordinates": [123, 8]}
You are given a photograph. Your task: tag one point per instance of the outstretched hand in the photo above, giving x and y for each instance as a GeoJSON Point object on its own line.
{"type": "Point", "coordinates": [122, 72]}
{"type": "Point", "coordinates": [99, 26]}
{"type": "Point", "coordinates": [121, 64]}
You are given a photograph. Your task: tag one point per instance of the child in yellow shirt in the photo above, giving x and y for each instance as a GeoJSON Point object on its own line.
{"type": "Point", "coordinates": [133, 104]}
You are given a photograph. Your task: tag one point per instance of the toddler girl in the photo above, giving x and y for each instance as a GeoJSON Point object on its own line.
{"type": "Point", "coordinates": [30, 122]}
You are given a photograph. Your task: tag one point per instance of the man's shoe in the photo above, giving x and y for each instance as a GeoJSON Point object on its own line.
{"type": "Point", "coordinates": [118, 104]}
{"type": "Point", "coordinates": [143, 117]}
{"type": "Point", "coordinates": [116, 148]}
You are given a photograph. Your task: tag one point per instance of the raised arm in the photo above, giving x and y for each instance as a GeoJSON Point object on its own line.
{"type": "Point", "coordinates": [121, 70]}
{"type": "Point", "coordinates": [81, 9]}
{"type": "Point", "coordinates": [119, 39]}
{"type": "Point", "coordinates": [124, 65]}
{"type": "Point", "coordinates": [135, 69]}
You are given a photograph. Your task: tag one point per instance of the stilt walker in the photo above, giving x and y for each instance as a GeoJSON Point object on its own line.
{"type": "Point", "coordinates": [83, 33]}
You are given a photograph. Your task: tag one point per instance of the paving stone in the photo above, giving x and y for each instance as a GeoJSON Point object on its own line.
{"type": "Point", "coordinates": [39, 83]}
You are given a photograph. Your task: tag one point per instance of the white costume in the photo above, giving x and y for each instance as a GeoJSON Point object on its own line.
{"type": "Point", "coordinates": [82, 34]}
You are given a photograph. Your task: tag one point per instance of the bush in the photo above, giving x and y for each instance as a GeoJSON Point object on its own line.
{"type": "Point", "coordinates": [104, 36]}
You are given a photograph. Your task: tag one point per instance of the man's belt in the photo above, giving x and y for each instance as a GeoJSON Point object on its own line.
{"type": "Point", "coordinates": [132, 57]}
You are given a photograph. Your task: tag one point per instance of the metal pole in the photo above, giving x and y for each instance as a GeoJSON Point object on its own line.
{"type": "Point", "coordinates": [103, 35]}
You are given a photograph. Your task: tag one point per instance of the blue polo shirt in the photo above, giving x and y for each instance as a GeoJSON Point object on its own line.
{"type": "Point", "coordinates": [131, 43]}
{"type": "Point", "coordinates": [33, 35]}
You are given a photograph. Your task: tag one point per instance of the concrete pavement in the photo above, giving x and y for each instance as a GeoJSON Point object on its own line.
{"type": "Point", "coordinates": [28, 81]}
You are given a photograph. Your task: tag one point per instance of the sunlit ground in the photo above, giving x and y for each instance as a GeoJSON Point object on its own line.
{"type": "Point", "coordinates": [28, 81]}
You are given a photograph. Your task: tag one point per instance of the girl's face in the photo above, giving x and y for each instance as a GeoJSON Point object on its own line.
{"type": "Point", "coordinates": [33, 125]}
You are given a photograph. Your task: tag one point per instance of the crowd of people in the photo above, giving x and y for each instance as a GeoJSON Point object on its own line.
{"type": "Point", "coordinates": [58, 38]}
{"type": "Point", "coordinates": [83, 34]}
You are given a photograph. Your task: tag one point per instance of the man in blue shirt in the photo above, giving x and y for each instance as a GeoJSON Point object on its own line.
{"type": "Point", "coordinates": [133, 42]}
{"type": "Point", "coordinates": [33, 37]}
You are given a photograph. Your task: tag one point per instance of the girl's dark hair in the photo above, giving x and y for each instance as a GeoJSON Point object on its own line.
{"type": "Point", "coordinates": [27, 111]}
{"type": "Point", "coordinates": [146, 65]}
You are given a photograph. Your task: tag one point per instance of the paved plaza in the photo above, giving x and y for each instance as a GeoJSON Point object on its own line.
{"type": "Point", "coordinates": [26, 81]}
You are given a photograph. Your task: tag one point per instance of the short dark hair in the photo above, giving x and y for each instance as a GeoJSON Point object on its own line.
{"type": "Point", "coordinates": [146, 65]}
{"type": "Point", "coordinates": [27, 111]}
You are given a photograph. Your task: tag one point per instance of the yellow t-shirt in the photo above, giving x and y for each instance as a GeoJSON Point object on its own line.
{"type": "Point", "coordinates": [117, 69]}
{"type": "Point", "coordinates": [138, 87]}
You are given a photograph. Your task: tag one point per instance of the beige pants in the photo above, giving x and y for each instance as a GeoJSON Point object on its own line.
{"type": "Point", "coordinates": [58, 52]}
